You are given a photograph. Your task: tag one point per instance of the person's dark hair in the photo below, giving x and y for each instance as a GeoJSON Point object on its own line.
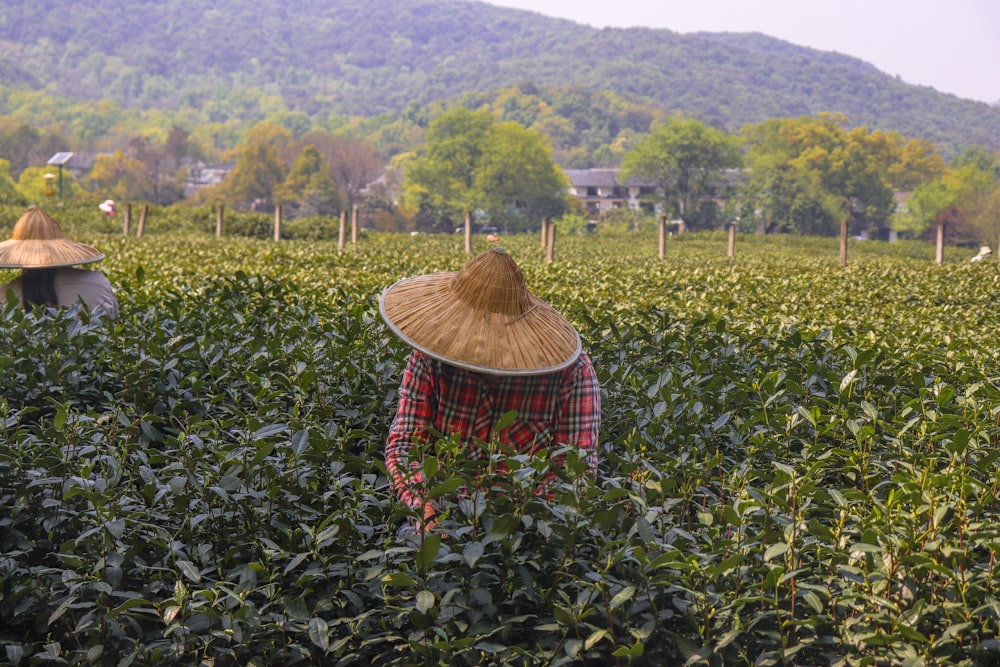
{"type": "Point", "coordinates": [38, 286]}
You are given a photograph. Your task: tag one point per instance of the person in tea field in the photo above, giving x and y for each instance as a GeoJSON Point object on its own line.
{"type": "Point", "coordinates": [984, 252]}
{"type": "Point", "coordinates": [483, 345]}
{"type": "Point", "coordinates": [47, 259]}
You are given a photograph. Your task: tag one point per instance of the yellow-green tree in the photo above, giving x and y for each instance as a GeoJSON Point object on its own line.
{"type": "Point", "coordinates": [684, 160]}
{"type": "Point", "coordinates": [37, 185]}
{"type": "Point", "coordinates": [965, 198]}
{"type": "Point", "coordinates": [519, 182]}
{"type": "Point", "coordinates": [120, 177]}
{"type": "Point", "coordinates": [984, 213]}
{"type": "Point", "coordinates": [259, 169]}
{"type": "Point", "coordinates": [827, 172]}
{"type": "Point", "coordinates": [309, 189]}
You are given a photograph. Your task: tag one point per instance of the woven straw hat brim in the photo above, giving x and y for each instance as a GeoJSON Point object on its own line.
{"type": "Point", "coordinates": [46, 253]}
{"type": "Point", "coordinates": [38, 242]}
{"type": "Point", "coordinates": [425, 312]}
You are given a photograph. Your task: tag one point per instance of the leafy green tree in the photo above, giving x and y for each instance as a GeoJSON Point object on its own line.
{"type": "Point", "coordinates": [786, 200]}
{"type": "Point", "coordinates": [918, 161]}
{"type": "Point", "coordinates": [961, 199]}
{"type": "Point", "coordinates": [309, 189]}
{"type": "Point", "coordinates": [979, 157]}
{"type": "Point", "coordinates": [984, 212]}
{"type": "Point", "coordinates": [683, 160]}
{"type": "Point", "coordinates": [842, 173]}
{"type": "Point", "coordinates": [472, 163]}
{"type": "Point", "coordinates": [9, 194]}
{"type": "Point", "coordinates": [177, 146]}
{"type": "Point", "coordinates": [518, 181]}
{"type": "Point", "coordinates": [18, 145]}
{"type": "Point", "coordinates": [441, 181]}
{"type": "Point", "coordinates": [258, 171]}
{"type": "Point", "coordinates": [118, 176]}
{"type": "Point", "coordinates": [296, 122]}
{"type": "Point", "coordinates": [35, 188]}
{"type": "Point", "coordinates": [160, 168]}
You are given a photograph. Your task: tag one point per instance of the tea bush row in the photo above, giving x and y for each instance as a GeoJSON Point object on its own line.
{"type": "Point", "coordinates": [798, 466]}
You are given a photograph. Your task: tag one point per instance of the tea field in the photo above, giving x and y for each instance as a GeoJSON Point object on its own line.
{"type": "Point", "coordinates": [799, 464]}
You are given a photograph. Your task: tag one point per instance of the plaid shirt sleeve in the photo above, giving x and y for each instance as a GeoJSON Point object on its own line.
{"type": "Point", "coordinates": [578, 423]}
{"type": "Point", "coordinates": [415, 412]}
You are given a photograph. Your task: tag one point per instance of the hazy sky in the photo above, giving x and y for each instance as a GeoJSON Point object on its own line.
{"type": "Point", "coordinates": [951, 45]}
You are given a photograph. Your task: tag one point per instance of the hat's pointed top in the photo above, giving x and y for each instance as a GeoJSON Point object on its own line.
{"type": "Point", "coordinates": [481, 318]}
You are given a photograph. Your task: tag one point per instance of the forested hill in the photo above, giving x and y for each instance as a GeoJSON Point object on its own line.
{"type": "Point", "coordinates": [365, 57]}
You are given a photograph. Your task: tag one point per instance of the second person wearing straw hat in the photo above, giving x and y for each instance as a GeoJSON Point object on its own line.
{"type": "Point", "coordinates": [483, 345]}
{"type": "Point", "coordinates": [46, 257]}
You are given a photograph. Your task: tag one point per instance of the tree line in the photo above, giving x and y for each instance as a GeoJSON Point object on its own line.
{"type": "Point", "coordinates": [806, 175]}
{"type": "Point", "coordinates": [800, 175]}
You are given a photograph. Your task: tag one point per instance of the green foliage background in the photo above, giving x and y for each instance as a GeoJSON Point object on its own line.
{"type": "Point", "coordinates": [799, 463]}
{"type": "Point", "coordinates": [228, 65]}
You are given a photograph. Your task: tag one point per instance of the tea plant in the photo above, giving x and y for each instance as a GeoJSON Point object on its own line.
{"type": "Point", "coordinates": [798, 465]}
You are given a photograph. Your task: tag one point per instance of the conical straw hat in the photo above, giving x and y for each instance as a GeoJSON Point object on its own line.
{"type": "Point", "coordinates": [38, 242]}
{"type": "Point", "coordinates": [481, 318]}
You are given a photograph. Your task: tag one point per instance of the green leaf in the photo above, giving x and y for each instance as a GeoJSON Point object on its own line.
{"type": "Point", "coordinates": [116, 527]}
{"type": "Point", "coordinates": [505, 421]}
{"type": "Point", "coordinates": [300, 442]}
{"type": "Point", "coordinates": [425, 601]}
{"type": "Point", "coordinates": [398, 579]}
{"type": "Point", "coordinates": [189, 570]}
{"type": "Point", "coordinates": [264, 449]}
{"type": "Point", "coordinates": [813, 601]}
{"type": "Point", "coordinates": [268, 431]}
{"type": "Point", "coordinates": [429, 464]}
{"type": "Point", "coordinates": [319, 633]}
{"type": "Point", "coordinates": [775, 550]}
{"type": "Point", "coordinates": [428, 551]}
{"type": "Point", "coordinates": [563, 616]}
{"type": "Point", "coordinates": [621, 597]}
{"type": "Point", "coordinates": [473, 552]}
{"type": "Point", "coordinates": [327, 535]}
{"type": "Point", "coordinates": [594, 638]}
{"type": "Point", "coordinates": [445, 488]}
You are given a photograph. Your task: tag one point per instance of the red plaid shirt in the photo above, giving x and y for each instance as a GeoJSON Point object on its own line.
{"type": "Point", "coordinates": [562, 408]}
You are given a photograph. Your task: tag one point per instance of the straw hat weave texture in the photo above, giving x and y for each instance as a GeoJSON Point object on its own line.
{"type": "Point", "coordinates": [481, 318]}
{"type": "Point", "coordinates": [38, 242]}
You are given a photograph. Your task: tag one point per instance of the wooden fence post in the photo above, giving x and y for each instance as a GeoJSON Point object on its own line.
{"type": "Point", "coordinates": [277, 222]}
{"type": "Point", "coordinates": [127, 219]}
{"type": "Point", "coordinates": [939, 255]}
{"type": "Point", "coordinates": [343, 229]}
{"type": "Point", "coordinates": [354, 225]}
{"type": "Point", "coordinates": [731, 252]}
{"type": "Point", "coordinates": [663, 236]}
{"type": "Point", "coordinates": [468, 232]}
{"type": "Point", "coordinates": [142, 221]}
{"type": "Point", "coordinates": [545, 225]}
{"type": "Point", "coordinates": [218, 220]}
{"type": "Point", "coordinates": [550, 250]}
{"type": "Point", "coordinates": [843, 242]}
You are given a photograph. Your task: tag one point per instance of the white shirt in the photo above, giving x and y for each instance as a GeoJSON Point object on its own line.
{"type": "Point", "coordinates": [72, 284]}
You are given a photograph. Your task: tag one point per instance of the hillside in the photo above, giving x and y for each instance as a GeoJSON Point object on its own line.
{"type": "Point", "coordinates": [360, 58]}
